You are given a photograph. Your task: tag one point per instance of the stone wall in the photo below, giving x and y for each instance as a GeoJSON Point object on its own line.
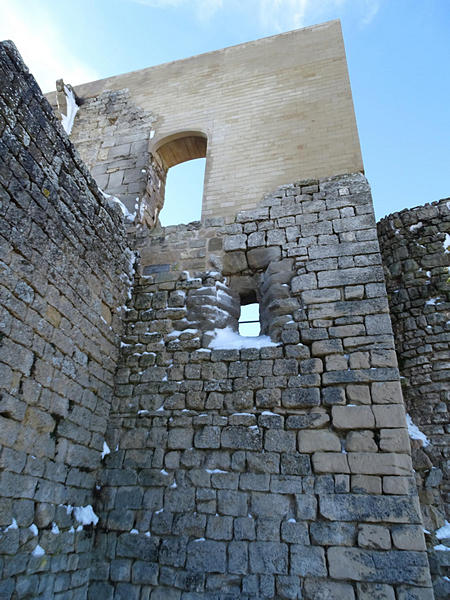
{"type": "Point", "coordinates": [248, 101]}
{"type": "Point", "coordinates": [233, 468]}
{"type": "Point", "coordinates": [415, 245]}
{"type": "Point", "coordinates": [263, 469]}
{"type": "Point", "coordinates": [65, 270]}
{"type": "Point", "coordinates": [112, 136]}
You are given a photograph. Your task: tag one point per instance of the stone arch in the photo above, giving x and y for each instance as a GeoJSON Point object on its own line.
{"type": "Point", "coordinates": [172, 150]}
{"type": "Point", "coordinates": [180, 147]}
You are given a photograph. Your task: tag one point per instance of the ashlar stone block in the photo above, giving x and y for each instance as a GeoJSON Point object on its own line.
{"type": "Point", "coordinates": [394, 440]}
{"type": "Point", "coordinates": [268, 557]}
{"type": "Point", "coordinates": [360, 441]}
{"type": "Point", "coordinates": [353, 417]}
{"type": "Point", "coordinates": [320, 589]}
{"type": "Point", "coordinates": [300, 397]}
{"type": "Point", "coordinates": [374, 566]}
{"type": "Point", "coordinates": [370, 463]}
{"type": "Point", "coordinates": [390, 416]}
{"type": "Point", "coordinates": [375, 591]}
{"type": "Point", "coordinates": [308, 561]}
{"type": "Point", "coordinates": [318, 440]}
{"type": "Point", "coordinates": [206, 556]}
{"type": "Point", "coordinates": [374, 536]}
{"type": "Point", "coordinates": [408, 537]}
{"type": "Point", "coordinates": [386, 392]}
{"type": "Point", "coordinates": [370, 508]}
{"type": "Point", "coordinates": [330, 462]}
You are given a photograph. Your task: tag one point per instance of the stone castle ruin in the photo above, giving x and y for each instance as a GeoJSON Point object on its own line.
{"type": "Point", "coordinates": [149, 451]}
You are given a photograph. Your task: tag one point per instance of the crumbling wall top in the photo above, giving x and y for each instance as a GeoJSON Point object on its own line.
{"type": "Point", "coordinates": [266, 107]}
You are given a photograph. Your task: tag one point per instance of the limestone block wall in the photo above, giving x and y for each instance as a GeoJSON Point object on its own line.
{"type": "Point", "coordinates": [273, 110]}
{"type": "Point", "coordinates": [415, 245]}
{"type": "Point", "coordinates": [65, 270]}
{"type": "Point", "coordinates": [112, 135]}
{"type": "Point", "coordinates": [278, 469]}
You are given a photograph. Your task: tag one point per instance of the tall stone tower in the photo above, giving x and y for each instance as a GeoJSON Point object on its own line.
{"type": "Point", "coordinates": [177, 458]}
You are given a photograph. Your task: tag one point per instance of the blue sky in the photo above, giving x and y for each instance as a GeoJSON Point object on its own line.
{"type": "Point", "coordinates": [398, 54]}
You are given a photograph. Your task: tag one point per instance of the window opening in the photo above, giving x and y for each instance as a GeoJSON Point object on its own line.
{"type": "Point", "coordinates": [249, 324]}
{"type": "Point", "coordinates": [182, 157]}
{"type": "Point", "coordinates": [183, 193]}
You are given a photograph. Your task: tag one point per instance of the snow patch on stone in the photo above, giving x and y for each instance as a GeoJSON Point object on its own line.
{"type": "Point", "coordinates": [72, 109]}
{"type": "Point", "coordinates": [105, 450]}
{"type": "Point", "coordinates": [432, 301]}
{"type": "Point", "coordinates": [227, 339]}
{"type": "Point", "coordinates": [446, 243]}
{"type": "Point", "coordinates": [443, 532]}
{"type": "Point", "coordinates": [85, 515]}
{"type": "Point", "coordinates": [55, 529]}
{"type": "Point", "coordinates": [12, 526]}
{"type": "Point", "coordinates": [129, 217]}
{"type": "Point", "coordinates": [416, 226]}
{"type": "Point", "coordinates": [38, 551]}
{"type": "Point", "coordinates": [415, 433]}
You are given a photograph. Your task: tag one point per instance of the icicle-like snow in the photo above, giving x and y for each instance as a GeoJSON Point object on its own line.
{"type": "Point", "coordinates": [72, 109]}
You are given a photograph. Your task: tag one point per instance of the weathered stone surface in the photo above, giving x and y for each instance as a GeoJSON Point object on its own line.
{"type": "Point", "coordinates": [268, 557]}
{"type": "Point", "coordinates": [260, 258]}
{"type": "Point", "coordinates": [353, 417]}
{"type": "Point", "coordinates": [375, 591]}
{"type": "Point", "coordinates": [408, 537]}
{"type": "Point", "coordinates": [206, 556]}
{"type": "Point", "coordinates": [319, 589]}
{"type": "Point", "coordinates": [387, 567]}
{"type": "Point", "coordinates": [374, 536]}
{"type": "Point", "coordinates": [308, 560]}
{"type": "Point", "coordinates": [330, 462]}
{"type": "Point", "coordinates": [354, 507]}
{"type": "Point", "coordinates": [333, 533]}
{"type": "Point", "coordinates": [319, 440]}
{"type": "Point", "coordinates": [371, 463]}
{"type": "Point", "coordinates": [300, 397]}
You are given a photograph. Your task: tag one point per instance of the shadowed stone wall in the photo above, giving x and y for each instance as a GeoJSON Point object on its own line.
{"type": "Point", "coordinates": [65, 270]}
{"type": "Point", "coordinates": [281, 470]}
{"type": "Point", "coordinates": [415, 245]}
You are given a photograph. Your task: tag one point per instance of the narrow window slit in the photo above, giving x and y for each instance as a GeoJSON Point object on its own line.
{"type": "Point", "coordinates": [249, 324]}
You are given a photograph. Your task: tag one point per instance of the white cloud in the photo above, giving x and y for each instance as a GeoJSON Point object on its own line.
{"type": "Point", "coordinates": [281, 15]}
{"type": "Point", "coordinates": [204, 9]}
{"type": "Point", "coordinates": [41, 43]}
{"type": "Point", "coordinates": [278, 15]}
{"type": "Point", "coordinates": [371, 8]}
